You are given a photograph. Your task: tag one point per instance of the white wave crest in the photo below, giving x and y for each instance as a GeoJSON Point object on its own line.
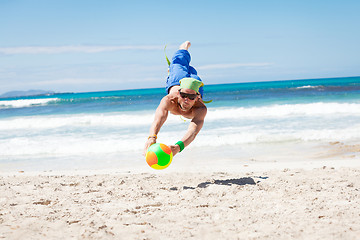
{"type": "Point", "coordinates": [307, 86]}
{"type": "Point", "coordinates": [21, 103]}
{"type": "Point", "coordinates": [286, 110]}
{"type": "Point", "coordinates": [214, 116]}
{"type": "Point", "coordinates": [121, 120]}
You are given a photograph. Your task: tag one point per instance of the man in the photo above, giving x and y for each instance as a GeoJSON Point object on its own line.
{"type": "Point", "coordinates": [185, 90]}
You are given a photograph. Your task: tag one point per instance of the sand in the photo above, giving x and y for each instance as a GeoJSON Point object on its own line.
{"type": "Point", "coordinates": [276, 203]}
{"type": "Point", "coordinates": [288, 204]}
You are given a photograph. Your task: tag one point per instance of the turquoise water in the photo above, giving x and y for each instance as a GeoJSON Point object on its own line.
{"type": "Point", "coordinates": [224, 95]}
{"type": "Point", "coordinates": [61, 129]}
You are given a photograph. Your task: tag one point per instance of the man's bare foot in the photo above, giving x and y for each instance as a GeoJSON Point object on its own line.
{"type": "Point", "coordinates": [185, 45]}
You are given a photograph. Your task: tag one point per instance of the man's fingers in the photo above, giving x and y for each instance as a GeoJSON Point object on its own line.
{"type": "Point", "coordinates": [174, 149]}
{"type": "Point", "coordinates": [149, 142]}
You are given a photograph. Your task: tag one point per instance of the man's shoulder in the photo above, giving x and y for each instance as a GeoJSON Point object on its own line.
{"type": "Point", "coordinates": [169, 99]}
{"type": "Point", "coordinates": [200, 105]}
{"type": "Point", "coordinates": [200, 109]}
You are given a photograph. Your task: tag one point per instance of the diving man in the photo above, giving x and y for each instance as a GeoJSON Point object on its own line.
{"type": "Point", "coordinates": [185, 90]}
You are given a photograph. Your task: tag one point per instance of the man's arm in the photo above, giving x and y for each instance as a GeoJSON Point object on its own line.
{"type": "Point", "coordinates": [193, 129]}
{"type": "Point", "coordinates": [160, 118]}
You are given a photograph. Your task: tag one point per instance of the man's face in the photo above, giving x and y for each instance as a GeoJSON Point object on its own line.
{"type": "Point", "coordinates": [187, 98]}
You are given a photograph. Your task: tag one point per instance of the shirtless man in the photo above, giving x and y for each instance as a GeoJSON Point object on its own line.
{"type": "Point", "coordinates": [184, 98]}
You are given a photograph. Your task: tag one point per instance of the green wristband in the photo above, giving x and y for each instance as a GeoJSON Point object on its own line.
{"type": "Point", "coordinates": [181, 145]}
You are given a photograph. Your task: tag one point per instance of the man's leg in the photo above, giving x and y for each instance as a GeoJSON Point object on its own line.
{"type": "Point", "coordinates": [179, 67]}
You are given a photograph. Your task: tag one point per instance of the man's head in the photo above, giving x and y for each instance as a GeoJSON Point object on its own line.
{"type": "Point", "coordinates": [189, 92]}
{"type": "Point", "coordinates": [191, 83]}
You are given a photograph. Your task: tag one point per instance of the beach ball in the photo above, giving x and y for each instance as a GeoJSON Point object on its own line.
{"type": "Point", "coordinates": [159, 156]}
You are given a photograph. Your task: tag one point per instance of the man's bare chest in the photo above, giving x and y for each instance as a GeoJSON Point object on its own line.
{"type": "Point", "coordinates": [186, 114]}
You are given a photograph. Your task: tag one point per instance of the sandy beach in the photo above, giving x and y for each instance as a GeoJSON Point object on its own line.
{"type": "Point", "coordinates": [259, 102]}
{"type": "Point", "coordinates": [282, 203]}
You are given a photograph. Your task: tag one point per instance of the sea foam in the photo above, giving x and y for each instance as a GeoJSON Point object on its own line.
{"type": "Point", "coordinates": [286, 110]}
{"type": "Point", "coordinates": [84, 135]}
{"type": "Point", "coordinates": [145, 118]}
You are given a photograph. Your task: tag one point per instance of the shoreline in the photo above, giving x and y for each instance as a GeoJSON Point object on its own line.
{"type": "Point", "coordinates": [243, 158]}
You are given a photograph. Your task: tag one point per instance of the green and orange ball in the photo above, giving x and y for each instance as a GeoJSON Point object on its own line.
{"type": "Point", "coordinates": [159, 156]}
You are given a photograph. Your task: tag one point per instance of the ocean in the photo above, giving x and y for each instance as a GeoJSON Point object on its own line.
{"type": "Point", "coordinates": [98, 130]}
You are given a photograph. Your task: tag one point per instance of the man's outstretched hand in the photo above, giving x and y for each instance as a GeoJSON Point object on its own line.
{"type": "Point", "coordinates": [148, 143]}
{"type": "Point", "coordinates": [175, 149]}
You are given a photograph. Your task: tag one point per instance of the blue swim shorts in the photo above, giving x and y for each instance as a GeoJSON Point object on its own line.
{"type": "Point", "coordinates": [180, 68]}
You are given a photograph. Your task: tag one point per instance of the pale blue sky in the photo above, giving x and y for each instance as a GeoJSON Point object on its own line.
{"type": "Point", "coordinates": [89, 45]}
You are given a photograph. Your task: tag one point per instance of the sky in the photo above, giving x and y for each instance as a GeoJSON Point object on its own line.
{"type": "Point", "coordinates": [88, 45]}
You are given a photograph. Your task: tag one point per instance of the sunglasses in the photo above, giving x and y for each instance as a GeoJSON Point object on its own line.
{"type": "Point", "coordinates": [187, 95]}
